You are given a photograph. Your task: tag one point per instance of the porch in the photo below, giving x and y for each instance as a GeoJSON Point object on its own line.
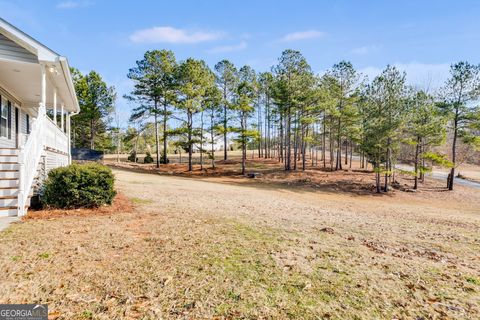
{"type": "Point", "coordinates": [37, 99]}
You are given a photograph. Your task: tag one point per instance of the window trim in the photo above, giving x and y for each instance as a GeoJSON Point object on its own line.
{"type": "Point", "coordinates": [2, 107]}
{"type": "Point", "coordinates": [5, 103]}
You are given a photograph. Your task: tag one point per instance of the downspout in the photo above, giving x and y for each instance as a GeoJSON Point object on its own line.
{"type": "Point", "coordinates": [68, 78]}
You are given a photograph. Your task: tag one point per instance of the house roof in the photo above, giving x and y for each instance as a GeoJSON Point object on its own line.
{"type": "Point", "coordinates": [62, 78]}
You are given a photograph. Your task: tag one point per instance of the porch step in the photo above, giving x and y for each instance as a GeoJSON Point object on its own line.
{"type": "Point", "coordinates": [8, 152]}
{"type": "Point", "coordinates": [5, 192]}
{"type": "Point", "coordinates": [9, 174]}
{"type": "Point", "coordinates": [8, 158]}
{"type": "Point", "coordinates": [11, 201]}
{"type": "Point", "coordinates": [9, 183]}
{"type": "Point", "coordinates": [9, 166]}
{"type": "Point", "coordinates": [8, 212]}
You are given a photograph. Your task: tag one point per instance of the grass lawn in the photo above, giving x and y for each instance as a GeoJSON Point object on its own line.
{"type": "Point", "coordinates": [198, 249]}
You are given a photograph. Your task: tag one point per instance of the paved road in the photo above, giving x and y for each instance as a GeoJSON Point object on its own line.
{"type": "Point", "coordinates": [439, 175]}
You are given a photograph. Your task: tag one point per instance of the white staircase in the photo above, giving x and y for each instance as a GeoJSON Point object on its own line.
{"type": "Point", "coordinates": [9, 182]}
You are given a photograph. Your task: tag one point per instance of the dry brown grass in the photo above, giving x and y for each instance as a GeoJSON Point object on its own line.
{"type": "Point", "coordinates": [229, 248]}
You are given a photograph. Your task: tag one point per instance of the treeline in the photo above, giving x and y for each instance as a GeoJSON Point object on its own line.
{"type": "Point", "coordinates": [295, 116]}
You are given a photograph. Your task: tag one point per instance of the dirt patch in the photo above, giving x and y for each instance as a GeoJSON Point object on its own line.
{"type": "Point", "coordinates": [121, 203]}
{"type": "Point", "coordinates": [409, 252]}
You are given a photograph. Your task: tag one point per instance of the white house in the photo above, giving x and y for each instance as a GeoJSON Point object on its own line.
{"type": "Point", "coordinates": [33, 78]}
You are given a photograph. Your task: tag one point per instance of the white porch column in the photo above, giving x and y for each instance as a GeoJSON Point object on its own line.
{"type": "Point", "coordinates": [68, 141]}
{"type": "Point", "coordinates": [43, 88]}
{"type": "Point", "coordinates": [61, 118]}
{"type": "Point", "coordinates": [55, 105]}
{"type": "Point", "coordinates": [43, 84]}
{"type": "Point", "coordinates": [42, 110]}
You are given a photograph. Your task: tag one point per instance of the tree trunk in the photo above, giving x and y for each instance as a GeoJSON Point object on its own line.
{"type": "Point", "coordinates": [295, 144]}
{"type": "Point", "coordinates": [135, 149]}
{"type": "Point", "coordinates": [201, 141]}
{"type": "Point", "coordinates": [303, 144]}
{"type": "Point", "coordinates": [244, 144]}
{"type": "Point", "coordinates": [190, 144]}
{"type": "Point", "coordinates": [377, 179]}
{"type": "Point", "coordinates": [387, 165]}
{"type": "Point", "coordinates": [324, 144]}
{"type": "Point", "coordinates": [346, 151]}
{"type": "Point", "coordinates": [165, 132]}
{"type": "Point", "coordinates": [288, 136]}
{"type": "Point", "coordinates": [332, 154]}
{"type": "Point", "coordinates": [280, 150]}
{"type": "Point", "coordinates": [417, 152]}
{"type": "Point", "coordinates": [351, 154]}
{"type": "Point", "coordinates": [267, 127]}
{"type": "Point", "coordinates": [157, 142]}
{"type": "Point", "coordinates": [225, 120]}
{"type": "Point", "coordinates": [338, 163]}
{"type": "Point", "coordinates": [259, 126]}
{"type": "Point", "coordinates": [212, 137]}
{"type": "Point", "coordinates": [92, 135]}
{"type": "Point", "coordinates": [118, 144]}
{"type": "Point", "coordinates": [454, 150]}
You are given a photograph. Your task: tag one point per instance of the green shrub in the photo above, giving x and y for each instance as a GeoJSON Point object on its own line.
{"type": "Point", "coordinates": [133, 157]}
{"type": "Point", "coordinates": [148, 158]}
{"type": "Point", "coordinates": [164, 160]}
{"type": "Point", "coordinates": [79, 186]}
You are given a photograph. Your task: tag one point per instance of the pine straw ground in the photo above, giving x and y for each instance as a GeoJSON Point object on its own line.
{"type": "Point", "coordinates": [231, 248]}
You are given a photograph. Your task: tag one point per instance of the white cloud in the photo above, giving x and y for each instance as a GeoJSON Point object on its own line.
{"type": "Point", "coordinates": [425, 76]}
{"type": "Point", "coordinates": [173, 35]}
{"type": "Point", "coordinates": [366, 49]}
{"type": "Point", "coordinates": [302, 35]}
{"type": "Point", "coordinates": [73, 4]}
{"type": "Point", "coordinates": [222, 49]}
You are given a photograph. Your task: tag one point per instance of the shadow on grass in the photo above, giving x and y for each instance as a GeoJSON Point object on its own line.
{"type": "Point", "coordinates": [299, 185]}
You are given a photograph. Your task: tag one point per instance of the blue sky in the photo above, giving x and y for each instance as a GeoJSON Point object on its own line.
{"type": "Point", "coordinates": [421, 37]}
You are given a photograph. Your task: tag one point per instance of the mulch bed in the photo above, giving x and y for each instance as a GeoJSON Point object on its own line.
{"type": "Point", "coordinates": [121, 203]}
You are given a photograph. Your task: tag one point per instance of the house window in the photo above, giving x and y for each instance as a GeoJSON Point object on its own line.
{"type": "Point", "coordinates": [27, 119]}
{"type": "Point", "coordinates": [9, 120]}
{"type": "Point", "coordinates": [4, 118]}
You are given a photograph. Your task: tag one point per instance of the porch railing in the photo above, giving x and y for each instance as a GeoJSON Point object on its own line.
{"type": "Point", "coordinates": [55, 138]}
{"type": "Point", "coordinates": [29, 157]}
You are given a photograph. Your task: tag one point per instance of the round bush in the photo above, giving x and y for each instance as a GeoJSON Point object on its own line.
{"type": "Point", "coordinates": [133, 157]}
{"type": "Point", "coordinates": [148, 158]}
{"type": "Point", "coordinates": [79, 186]}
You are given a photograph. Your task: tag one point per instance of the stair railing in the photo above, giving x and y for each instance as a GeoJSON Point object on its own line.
{"type": "Point", "coordinates": [29, 157]}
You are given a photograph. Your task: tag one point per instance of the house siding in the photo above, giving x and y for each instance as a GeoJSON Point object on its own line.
{"type": "Point", "coordinates": [12, 51]}
{"type": "Point", "coordinates": [54, 160]}
{"type": "Point", "coordinates": [23, 122]}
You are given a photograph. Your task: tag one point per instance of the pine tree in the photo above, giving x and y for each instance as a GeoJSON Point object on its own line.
{"type": "Point", "coordinates": [96, 100]}
{"type": "Point", "coordinates": [154, 90]}
{"type": "Point", "coordinates": [384, 111]}
{"type": "Point", "coordinates": [425, 127]}
{"type": "Point", "coordinates": [290, 85]}
{"type": "Point", "coordinates": [244, 99]}
{"type": "Point", "coordinates": [458, 95]}
{"type": "Point", "coordinates": [226, 79]}
{"type": "Point", "coordinates": [194, 78]}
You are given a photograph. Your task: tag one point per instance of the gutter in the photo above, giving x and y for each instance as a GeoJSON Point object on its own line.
{"type": "Point", "coordinates": [68, 79]}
